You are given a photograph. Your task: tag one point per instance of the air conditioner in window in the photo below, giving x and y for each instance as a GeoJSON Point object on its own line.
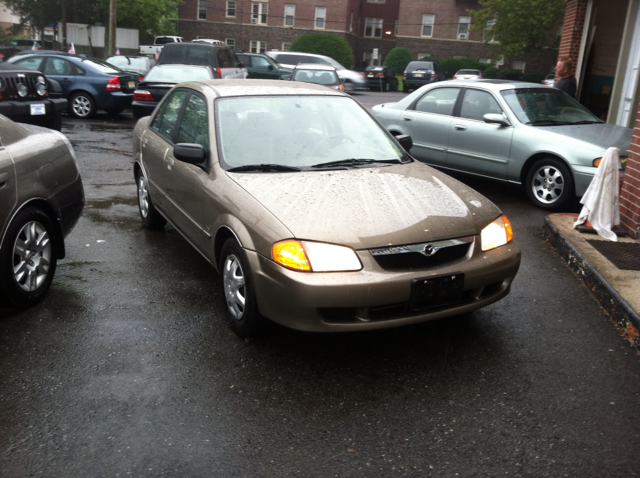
{"type": "Point", "coordinates": [462, 36]}
{"type": "Point", "coordinates": [254, 20]}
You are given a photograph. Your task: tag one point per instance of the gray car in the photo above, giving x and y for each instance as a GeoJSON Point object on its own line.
{"type": "Point", "coordinates": [314, 216]}
{"type": "Point", "coordinates": [522, 133]}
{"type": "Point", "coordinates": [41, 199]}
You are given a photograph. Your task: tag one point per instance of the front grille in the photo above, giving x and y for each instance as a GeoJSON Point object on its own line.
{"type": "Point", "coordinates": [422, 256]}
{"type": "Point", "coordinates": [12, 82]}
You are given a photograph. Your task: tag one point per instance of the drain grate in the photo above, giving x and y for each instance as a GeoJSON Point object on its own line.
{"type": "Point", "coordinates": [623, 255]}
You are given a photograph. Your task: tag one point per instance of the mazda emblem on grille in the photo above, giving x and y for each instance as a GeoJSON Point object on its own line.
{"type": "Point", "coordinates": [429, 250]}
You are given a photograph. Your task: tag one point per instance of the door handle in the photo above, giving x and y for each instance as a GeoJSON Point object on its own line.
{"type": "Point", "coordinates": [3, 180]}
{"type": "Point", "coordinates": [407, 118]}
{"type": "Point", "coordinates": [460, 127]}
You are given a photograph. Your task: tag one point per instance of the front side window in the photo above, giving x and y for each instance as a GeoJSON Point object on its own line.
{"type": "Point", "coordinates": [289, 15]}
{"type": "Point", "coordinates": [231, 9]}
{"type": "Point", "coordinates": [427, 25]}
{"type": "Point", "coordinates": [321, 16]}
{"type": "Point", "coordinates": [202, 9]}
{"type": "Point", "coordinates": [165, 121]}
{"type": "Point", "coordinates": [259, 12]}
{"type": "Point", "coordinates": [439, 101]}
{"type": "Point", "coordinates": [58, 66]}
{"type": "Point", "coordinates": [258, 46]}
{"type": "Point", "coordinates": [373, 27]}
{"type": "Point", "coordinates": [546, 107]}
{"type": "Point", "coordinates": [476, 104]}
{"type": "Point", "coordinates": [194, 127]}
{"type": "Point", "coordinates": [463, 28]}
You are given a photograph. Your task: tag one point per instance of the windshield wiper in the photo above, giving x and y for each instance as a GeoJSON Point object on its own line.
{"type": "Point", "coordinates": [547, 123]}
{"type": "Point", "coordinates": [586, 122]}
{"type": "Point", "coordinates": [263, 168]}
{"type": "Point", "coordinates": [355, 162]}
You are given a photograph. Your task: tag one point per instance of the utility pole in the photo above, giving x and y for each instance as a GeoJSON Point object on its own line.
{"type": "Point", "coordinates": [63, 30]}
{"type": "Point", "coordinates": [111, 37]}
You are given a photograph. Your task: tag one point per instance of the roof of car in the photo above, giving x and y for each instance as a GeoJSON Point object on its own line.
{"type": "Point", "coordinates": [314, 66]}
{"type": "Point", "coordinates": [495, 85]}
{"type": "Point", "coordinates": [228, 88]}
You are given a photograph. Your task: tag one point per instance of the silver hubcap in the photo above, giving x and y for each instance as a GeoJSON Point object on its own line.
{"type": "Point", "coordinates": [31, 256]}
{"type": "Point", "coordinates": [81, 105]}
{"type": "Point", "coordinates": [143, 196]}
{"type": "Point", "coordinates": [548, 184]}
{"type": "Point", "coordinates": [234, 286]}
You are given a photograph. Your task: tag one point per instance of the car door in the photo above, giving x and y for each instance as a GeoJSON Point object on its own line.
{"type": "Point", "coordinates": [428, 122]}
{"type": "Point", "coordinates": [263, 69]}
{"type": "Point", "coordinates": [474, 145]}
{"type": "Point", "coordinates": [62, 71]}
{"type": "Point", "coordinates": [8, 192]}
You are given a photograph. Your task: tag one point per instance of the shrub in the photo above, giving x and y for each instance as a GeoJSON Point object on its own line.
{"type": "Point", "coordinates": [532, 77]}
{"type": "Point", "coordinates": [327, 44]}
{"type": "Point", "coordinates": [397, 59]}
{"type": "Point", "coordinates": [509, 74]}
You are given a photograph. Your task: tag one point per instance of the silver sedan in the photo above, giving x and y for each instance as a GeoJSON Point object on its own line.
{"type": "Point", "coordinates": [516, 132]}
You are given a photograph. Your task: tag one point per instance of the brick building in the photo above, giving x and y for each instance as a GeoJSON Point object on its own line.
{"type": "Point", "coordinates": [602, 37]}
{"type": "Point", "coordinates": [439, 28]}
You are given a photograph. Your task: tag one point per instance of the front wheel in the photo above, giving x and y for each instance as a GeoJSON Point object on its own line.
{"type": "Point", "coordinates": [82, 105]}
{"type": "Point", "coordinates": [237, 286]}
{"type": "Point", "coordinates": [549, 184]}
{"type": "Point", "coordinates": [28, 260]}
{"type": "Point", "coordinates": [150, 216]}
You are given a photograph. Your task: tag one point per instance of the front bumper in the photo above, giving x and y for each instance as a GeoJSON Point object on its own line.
{"type": "Point", "coordinates": [22, 109]}
{"type": "Point", "coordinates": [374, 298]}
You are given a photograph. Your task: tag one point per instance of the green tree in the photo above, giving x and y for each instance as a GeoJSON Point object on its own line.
{"type": "Point", "coordinates": [326, 44]}
{"type": "Point", "coordinates": [520, 26]}
{"type": "Point", "coordinates": [397, 59]}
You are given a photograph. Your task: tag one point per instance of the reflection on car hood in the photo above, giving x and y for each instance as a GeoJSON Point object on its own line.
{"type": "Point", "coordinates": [601, 135]}
{"type": "Point", "coordinates": [371, 207]}
{"type": "Point", "coordinates": [352, 75]}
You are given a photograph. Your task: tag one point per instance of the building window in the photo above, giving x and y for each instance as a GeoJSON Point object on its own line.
{"type": "Point", "coordinates": [376, 1]}
{"type": "Point", "coordinates": [230, 42]}
{"type": "Point", "coordinates": [286, 46]}
{"type": "Point", "coordinates": [231, 9]}
{"type": "Point", "coordinates": [463, 28]}
{"type": "Point", "coordinates": [258, 46]}
{"type": "Point", "coordinates": [518, 65]}
{"type": "Point", "coordinates": [369, 60]}
{"type": "Point", "coordinates": [427, 25]}
{"type": "Point", "coordinates": [259, 12]}
{"type": "Point", "coordinates": [424, 55]}
{"type": "Point", "coordinates": [289, 15]}
{"type": "Point", "coordinates": [321, 17]}
{"type": "Point", "coordinates": [373, 27]}
{"type": "Point", "coordinates": [488, 61]}
{"type": "Point", "coordinates": [202, 9]}
{"type": "Point", "coordinates": [488, 34]}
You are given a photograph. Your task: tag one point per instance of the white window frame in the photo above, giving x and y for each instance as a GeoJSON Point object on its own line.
{"type": "Point", "coordinates": [231, 7]}
{"type": "Point", "coordinates": [258, 46]}
{"type": "Point", "coordinates": [373, 27]}
{"type": "Point", "coordinates": [202, 9]}
{"type": "Point", "coordinates": [422, 55]}
{"type": "Point", "coordinates": [488, 36]}
{"type": "Point", "coordinates": [230, 42]}
{"type": "Point", "coordinates": [259, 13]}
{"type": "Point", "coordinates": [289, 14]}
{"type": "Point", "coordinates": [428, 21]}
{"type": "Point", "coordinates": [518, 65]}
{"type": "Point", "coordinates": [320, 19]}
{"type": "Point", "coordinates": [463, 27]}
{"type": "Point", "coordinates": [286, 46]}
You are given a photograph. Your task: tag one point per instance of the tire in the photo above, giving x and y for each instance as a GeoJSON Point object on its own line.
{"type": "Point", "coordinates": [150, 216]}
{"type": "Point", "coordinates": [549, 184]}
{"type": "Point", "coordinates": [29, 258]}
{"type": "Point", "coordinates": [386, 87]}
{"type": "Point", "coordinates": [82, 105]}
{"type": "Point", "coordinates": [238, 290]}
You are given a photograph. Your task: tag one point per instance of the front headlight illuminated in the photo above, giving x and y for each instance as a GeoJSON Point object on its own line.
{"type": "Point", "coordinates": [315, 256]}
{"type": "Point", "coordinates": [496, 234]}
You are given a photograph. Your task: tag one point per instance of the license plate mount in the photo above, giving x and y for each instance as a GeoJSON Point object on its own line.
{"type": "Point", "coordinates": [437, 291]}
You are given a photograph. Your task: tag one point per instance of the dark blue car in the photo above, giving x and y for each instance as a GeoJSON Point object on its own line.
{"type": "Point", "coordinates": [89, 84]}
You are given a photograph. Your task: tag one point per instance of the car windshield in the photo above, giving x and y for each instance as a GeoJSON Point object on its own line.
{"type": "Point", "coordinates": [316, 76]}
{"type": "Point", "coordinates": [547, 107]}
{"type": "Point", "coordinates": [127, 62]}
{"type": "Point", "coordinates": [300, 132]}
{"type": "Point", "coordinates": [177, 73]}
{"type": "Point", "coordinates": [469, 72]}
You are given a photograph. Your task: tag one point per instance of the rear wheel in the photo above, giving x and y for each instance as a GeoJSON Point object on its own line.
{"type": "Point", "coordinates": [82, 105]}
{"type": "Point", "coordinates": [549, 184]}
{"type": "Point", "coordinates": [28, 260]}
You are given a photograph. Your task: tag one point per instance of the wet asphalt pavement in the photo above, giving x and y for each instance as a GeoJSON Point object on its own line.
{"type": "Point", "coordinates": [127, 368]}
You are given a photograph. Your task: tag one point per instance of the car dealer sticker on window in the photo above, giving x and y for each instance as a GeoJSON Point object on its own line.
{"type": "Point", "coordinates": [37, 109]}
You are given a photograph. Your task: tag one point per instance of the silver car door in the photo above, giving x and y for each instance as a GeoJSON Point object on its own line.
{"type": "Point", "coordinates": [428, 123]}
{"type": "Point", "coordinates": [474, 145]}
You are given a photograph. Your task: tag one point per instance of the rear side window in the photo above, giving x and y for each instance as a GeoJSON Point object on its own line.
{"type": "Point", "coordinates": [440, 101]}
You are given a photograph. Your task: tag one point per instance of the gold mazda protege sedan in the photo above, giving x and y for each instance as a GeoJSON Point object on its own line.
{"type": "Point", "coordinates": [313, 214]}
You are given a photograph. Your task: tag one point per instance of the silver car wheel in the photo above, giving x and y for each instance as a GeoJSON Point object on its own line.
{"type": "Point", "coordinates": [548, 184]}
{"type": "Point", "coordinates": [32, 254]}
{"type": "Point", "coordinates": [143, 196]}
{"type": "Point", "coordinates": [81, 106]}
{"type": "Point", "coordinates": [233, 281]}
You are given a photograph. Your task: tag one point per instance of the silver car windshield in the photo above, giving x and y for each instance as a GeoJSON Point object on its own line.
{"type": "Point", "coordinates": [300, 132]}
{"type": "Point", "coordinates": [177, 73]}
{"type": "Point", "coordinates": [547, 107]}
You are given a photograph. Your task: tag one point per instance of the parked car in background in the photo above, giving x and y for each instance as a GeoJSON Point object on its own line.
{"type": "Point", "coordinates": [313, 214]}
{"type": "Point", "coordinates": [468, 75]}
{"type": "Point", "coordinates": [209, 41]}
{"type": "Point", "coordinates": [160, 80]}
{"type": "Point", "coordinates": [262, 67]}
{"type": "Point", "coordinates": [381, 78]}
{"type": "Point", "coordinates": [420, 73]}
{"type": "Point", "coordinates": [41, 199]}
{"type": "Point", "coordinates": [89, 84]}
{"type": "Point", "coordinates": [221, 58]}
{"type": "Point", "coordinates": [158, 44]}
{"type": "Point", "coordinates": [351, 80]}
{"type": "Point", "coordinates": [25, 44]}
{"type": "Point", "coordinates": [521, 133]}
{"type": "Point", "coordinates": [324, 75]}
{"type": "Point", "coordinates": [549, 80]}
{"type": "Point", "coordinates": [25, 97]}
{"type": "Point", "coordinates": [140, 65]}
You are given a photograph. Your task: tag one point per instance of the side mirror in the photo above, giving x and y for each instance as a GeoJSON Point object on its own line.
{"type": "Point", "coordinates": [495, 118]}
{"type": "Point", "coordinates": [270, 67]}
{"type": "Point", "coordinates": [191, 153]}
{"type": "Point", "coordinates": [405, 141]}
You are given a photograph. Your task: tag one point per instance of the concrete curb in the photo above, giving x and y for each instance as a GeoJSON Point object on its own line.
{"type": "Point", "coordinates": [624, 316]}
